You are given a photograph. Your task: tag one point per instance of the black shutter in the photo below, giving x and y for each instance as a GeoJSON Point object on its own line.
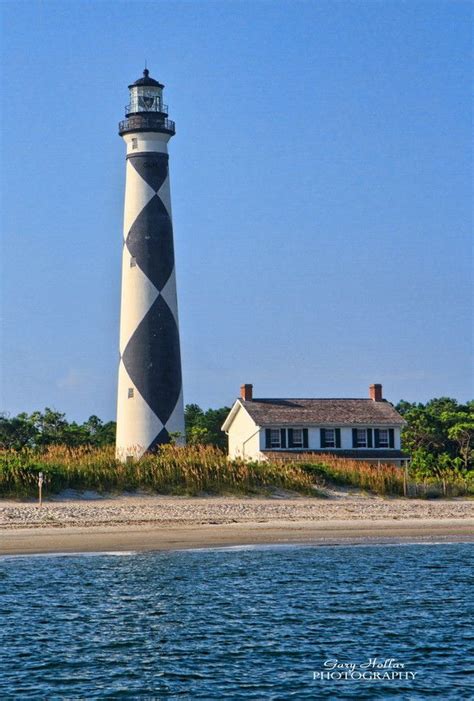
{"type": "Point", "coordinates": [268, 438]}
{"type": "Point", "coordinates": [338, 437]}
{"type": "Point", "coordinates": [323, 437]}
{"type": "Point", "coordinates": [305, 438]}
{"type": "Point", "coordinates": [391, 438]}
{"type": "Point", "coordinates": [354, 438]}
{"type": "Point", "coordinates": [290, 438]}
{"type": "Point", "coordinates": [376, 438]}
{"type": "Point", "coordinates": [369, 438]}
{"type": "Point", "coordinates": [283, 437]}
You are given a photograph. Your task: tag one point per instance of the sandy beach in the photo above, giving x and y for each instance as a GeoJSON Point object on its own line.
{"type": "Point", "coordinates": [140, 523]}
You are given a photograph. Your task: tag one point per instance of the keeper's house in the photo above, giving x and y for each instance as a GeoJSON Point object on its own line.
{"type": "Point", "coordinates": [365, 429]}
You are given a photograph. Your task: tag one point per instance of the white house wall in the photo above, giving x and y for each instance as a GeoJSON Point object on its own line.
{"type": "Point", "coordinates": [314, 437]}
{"type": "Point", "coordinates": [244, 437]}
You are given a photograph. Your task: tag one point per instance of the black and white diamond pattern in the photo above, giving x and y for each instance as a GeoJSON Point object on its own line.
{"type": "Point", "coordinates": [150, 360]}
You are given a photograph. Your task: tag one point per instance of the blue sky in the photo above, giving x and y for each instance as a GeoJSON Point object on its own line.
{"type": "Point", "coordinates": [320, 183]}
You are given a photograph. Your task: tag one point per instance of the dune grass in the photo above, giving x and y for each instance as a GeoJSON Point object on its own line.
{"type": "Point", "coordinates": [387, 479]}
{"type": "Point", "coordinates": [379, 479]}
{"type": "Point", "coordinates": [172, 470]}
{"type": "Point", "coordinates": [199, 469]}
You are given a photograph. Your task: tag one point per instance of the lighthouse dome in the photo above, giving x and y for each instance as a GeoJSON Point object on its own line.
{"type": "Point", "coordinates": [146, 80]}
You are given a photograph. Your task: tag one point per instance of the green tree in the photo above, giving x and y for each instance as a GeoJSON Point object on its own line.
{"type": "Point", "coordinates": [51, 426]}
{"type": "Point", "coordinates": [197, 435]}
{"type": "Point", "coordinates": [461, 431]}
{"type": "Point", "coordinates": [192, 417]}
{"type": "Point", "coordinates": [439, 435]}
{"type": "Point", "coordinates": [212, 421]}
{"type": "Point", "coordinates": [99, 433]}
{"type": "Point", "coordinates": [205, 427]}
{"type": "Point", "coordinates": [17, 432]}
{"type": "Point", "coordinates": [48, 427]}
{"type": "Point", "coordinates": [422, 430]}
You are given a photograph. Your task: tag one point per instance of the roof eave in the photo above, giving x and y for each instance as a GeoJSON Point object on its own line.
{"type": "Point", "coordinates": [238, 404]}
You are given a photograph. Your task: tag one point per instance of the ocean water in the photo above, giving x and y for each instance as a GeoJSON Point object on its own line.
{"type": "Point", "coordinates": [240, 623]}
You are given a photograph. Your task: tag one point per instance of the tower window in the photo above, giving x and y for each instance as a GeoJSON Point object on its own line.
{"type": "Point", "coordinates": [131, 392]}
{"type": "Point", "coordinates": [133, 262]}
{"type": "Point", "coordinates": [134, 143]}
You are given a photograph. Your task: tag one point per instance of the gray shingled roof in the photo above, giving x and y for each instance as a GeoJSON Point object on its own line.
{"type": "Point", "coordinates": [320, 412]}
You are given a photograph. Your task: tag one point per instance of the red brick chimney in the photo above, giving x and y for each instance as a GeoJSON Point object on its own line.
{"type": "Point", "coordinates": [375, 393]}
{"type": "Point", "coordinates": [246, 393]}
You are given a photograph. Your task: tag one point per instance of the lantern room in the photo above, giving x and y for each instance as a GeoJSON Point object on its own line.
{"type": "Point", "coordinates": [146, 95]}
{"type": "Point", "coordinates": [146, 111]}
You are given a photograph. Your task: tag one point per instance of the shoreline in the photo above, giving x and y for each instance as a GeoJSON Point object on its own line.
{"type": "Point", "coordinates": [141, 523]}
{"type": "Point", "coordinates": [140, 538]}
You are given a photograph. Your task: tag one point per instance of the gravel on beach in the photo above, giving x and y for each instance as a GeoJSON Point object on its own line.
{"type": "Point", "coordinates": [92, 510]}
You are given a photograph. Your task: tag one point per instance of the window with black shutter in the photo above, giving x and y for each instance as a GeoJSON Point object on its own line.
{"type": "Point", "coordinates": [361, 438]}
{"type": "Point", "coordinates": [376, 438]}
{"type": "Point", "coordinates": [305, 438]}
{"type": "Point", "coordinates": [268, 438]}
{"type": "Point", "coordinates": [391, 438]}
{"type": "Point", "coordinates": [297, 438]}
{"type": "Point", "coordinates": [383, 438]}
{"type": "Point", "coordinates": [329, 435]}
{"type": "Point", "coordinates": [369, 438]}
{"type": "Point", "coordinates": [290, 438]}
{"type": "Point", "coordinates": [322, 432]}
{"type": "Point", "coordinates": [275, 438]}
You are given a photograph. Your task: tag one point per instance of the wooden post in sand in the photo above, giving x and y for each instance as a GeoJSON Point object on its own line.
{"type": "Point", "coordinates": [405, 480]}
{"type": "Point", "coordinates": [40, 488]}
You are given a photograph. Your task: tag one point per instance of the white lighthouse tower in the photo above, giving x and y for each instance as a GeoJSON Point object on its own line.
{"type": "Point", "coordinates": [150, 393]}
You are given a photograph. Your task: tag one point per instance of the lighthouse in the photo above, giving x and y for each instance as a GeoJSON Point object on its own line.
{"type": "Point", "coordinates": [150, 395]}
